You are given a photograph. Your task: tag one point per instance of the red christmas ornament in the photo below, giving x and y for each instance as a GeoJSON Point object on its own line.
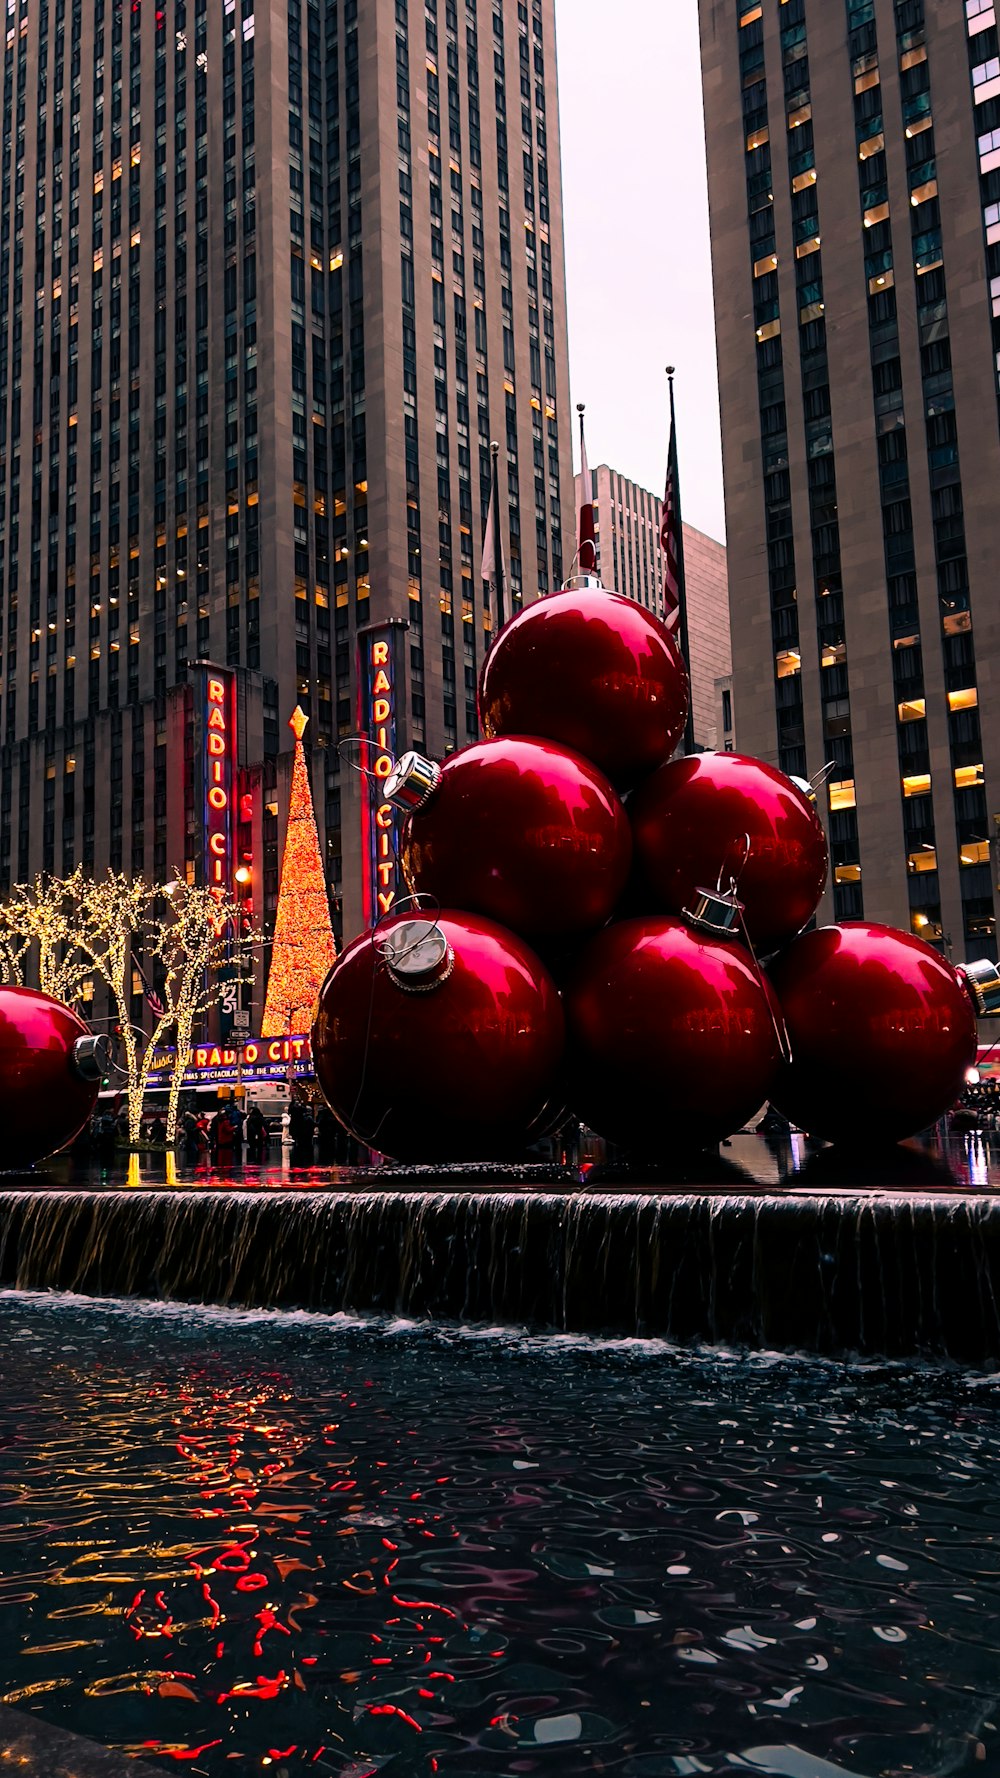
{"type": "Point", "coordinates": [692, 821]}
{"type": "Point", "coordinates": [50, 1075]}
{"type": "Point", "coordinates": [593, 671]}
{"type": "Point", "coordinates": [439, 1040]}
{"type": "Point", "coordinates": [520, 830]}
{"type": "Point", "coordinates": [672, 1038]}
{"type": "Point", "coordinates": [881, 1033]}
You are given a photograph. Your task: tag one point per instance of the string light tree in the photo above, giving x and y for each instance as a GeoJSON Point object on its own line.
{"type": "Point", "coordinates": [304, 950]}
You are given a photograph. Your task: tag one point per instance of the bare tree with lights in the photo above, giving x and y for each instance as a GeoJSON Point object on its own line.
{"type": "Point", "coordinates": [45, 915]}
{"type": "Point", "coordinates": [15, 945]}
{"type": "Point", "coordinates": [198, 937]}
{"type": "Point", "coordinates": [112, 916]}
{"type": "Point", "coordinates": [81, 927]}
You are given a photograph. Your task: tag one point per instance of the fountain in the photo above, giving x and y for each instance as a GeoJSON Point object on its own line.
{"type": "Point", "coordinates": [462, 1026]}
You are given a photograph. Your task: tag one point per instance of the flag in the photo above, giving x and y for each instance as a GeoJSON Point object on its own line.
{"type": "Point", "coordinates": [671, 541]}
{"type": "Point", "coordinates": [493, 564]}
{"type": "Point", "coordinates": [588, 535]}
{"type": "Point", "coordinates": [152, 998]}
{"type": "Point", "coordinates": [489, 567]}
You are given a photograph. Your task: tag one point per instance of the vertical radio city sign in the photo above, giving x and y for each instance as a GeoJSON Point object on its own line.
{"type": "Point", "coordinates": [218, 749]}
{"type": "Point", "coordinates": [378, 685]}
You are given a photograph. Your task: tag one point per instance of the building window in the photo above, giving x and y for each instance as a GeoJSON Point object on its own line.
{"type": "Point", "coordinates": [842, 795]}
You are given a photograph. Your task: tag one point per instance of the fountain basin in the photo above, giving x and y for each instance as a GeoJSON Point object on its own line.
{"type": "Point", "coordinates": [829, 1272]}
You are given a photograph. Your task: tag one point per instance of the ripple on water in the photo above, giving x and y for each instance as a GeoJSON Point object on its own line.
{"type": "Point", "coordinates": [343, 1547]}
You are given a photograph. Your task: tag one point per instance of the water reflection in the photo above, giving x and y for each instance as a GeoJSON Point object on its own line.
{"type": "Point", "coordinates": [242, 1541]}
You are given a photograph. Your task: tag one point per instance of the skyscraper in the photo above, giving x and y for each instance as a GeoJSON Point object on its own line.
{"type": "Point", "coordinates": [631, 560]}
{"type": "Point", "coordinates": [854, 178]}
{"type": "Point", "coordinates": [271, 278]}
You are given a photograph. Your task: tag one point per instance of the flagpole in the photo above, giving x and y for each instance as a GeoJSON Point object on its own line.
{"type": "Point", "coordinates": [498, 537]}
{"type": "Point", "coordinates": [682, 577]}
{"type": "Point", "coordinates": [587, 537]}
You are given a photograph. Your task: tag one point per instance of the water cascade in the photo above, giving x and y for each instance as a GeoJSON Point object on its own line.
{"type": "Point", "coordinates": [874, 1273]}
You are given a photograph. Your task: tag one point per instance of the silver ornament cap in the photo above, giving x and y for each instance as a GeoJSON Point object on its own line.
{"type": "Point", "coordinates": [417, 955]}
{"type": "Point", "coordinates": [716, 911]}
{"type": "Point", "coordinates": [982, 982]}
{"type": "Point", "coordinates": [412, 782]}
{"type": "Point", "coordinates": [92, 1057]}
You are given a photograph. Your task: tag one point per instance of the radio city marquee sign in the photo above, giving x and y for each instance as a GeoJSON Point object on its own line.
{"type": "Point", "coordinates": [378, 683]}
{"type": "Point", "coordinates": [218, 725]}
{"type": "Point", "coordinates": [260, 1058]}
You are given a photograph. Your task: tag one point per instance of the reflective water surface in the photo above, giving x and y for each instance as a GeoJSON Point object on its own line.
{"type": "Point", "coordinates": [297, 1544]}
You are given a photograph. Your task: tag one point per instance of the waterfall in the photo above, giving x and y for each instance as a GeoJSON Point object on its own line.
{"type": "Point", "coordinates": [881, 1273]}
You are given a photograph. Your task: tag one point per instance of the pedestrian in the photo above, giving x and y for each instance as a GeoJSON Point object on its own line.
{"type": "Point", "coordinates": [105, 1132]}
{"type": "Point", "coordinates": [327, 1136]}
{"type": "Point", "coordinates": [237, 1120]}
{"type": "Point", "coordinates": [256, 1134]}
{"type": "Point", "coordinates": [224, 1139]}
{"type": "Point", "coordinates": [191, 1136]}
{"type": "Point", "coordinates": [158, 1132]}
{"type": "Point", "coordinates": [301, 1131]}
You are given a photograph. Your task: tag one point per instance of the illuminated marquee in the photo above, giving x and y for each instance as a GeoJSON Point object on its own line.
{"type": "Point", "coordinates": [219, 774]}
{"type": "Point", "coordinates": [377, 680]}
{"type": "Point", "coordinates": [259, 1058]}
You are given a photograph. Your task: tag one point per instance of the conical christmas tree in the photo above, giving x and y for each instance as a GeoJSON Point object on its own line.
{"type": "Point", "coordinates": [304, 948]}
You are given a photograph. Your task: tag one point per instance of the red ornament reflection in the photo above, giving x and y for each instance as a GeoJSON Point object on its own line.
{"type": "Point", "coordinates": [671, 1037]}
{"type": "Point", "coordinates": [44, 1102]}
{"type": "Point", "coordinates": [459, 1071]}
{"type": "Point", "coordinates": [593, 671]}
{"type": "Point", "coordinates": [691, 821]}
{"type": "Point", "coordinates": [525, 832]}
{"type": "Point", "coordinates": [881, 1033]}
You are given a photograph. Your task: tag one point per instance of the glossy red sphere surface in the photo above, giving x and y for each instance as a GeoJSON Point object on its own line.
{"type": "Point", "coordinates": [688, 824]}
{"type": "Point", "coordinates": [881, 1033]}
{"type": "Point", "coordinates": [462, 1072]}
{"type": "Point", "coordinates": [43, 1101]}
{"type": "Point", "coordinates": [671, 1037]}
{"type": "Point", "coordinates": [525, 832]}
{"type": "Point", "coordinates": [593, 671]}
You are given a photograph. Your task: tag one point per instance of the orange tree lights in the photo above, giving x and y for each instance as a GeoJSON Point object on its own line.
{"type": "Point", "coordinates": [304, 949]}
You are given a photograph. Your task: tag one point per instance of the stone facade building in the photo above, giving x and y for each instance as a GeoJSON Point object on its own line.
{"type": "Point", "coordinates": [629, 559]}
{"type": "Point", "coordinates": [854, 180]}
{"type": "Point", "coordinates": [272, 276]}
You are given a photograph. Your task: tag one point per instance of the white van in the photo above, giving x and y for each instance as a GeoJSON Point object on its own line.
{"type": "Point", "coordinates": [272, 1098]}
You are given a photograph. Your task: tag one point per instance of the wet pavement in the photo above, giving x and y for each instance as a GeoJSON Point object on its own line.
{"type": "Point", "coordinates": [940, 1161]}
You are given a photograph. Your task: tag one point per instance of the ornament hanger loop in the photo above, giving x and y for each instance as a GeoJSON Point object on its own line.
{"type": "Point", "coordinates": [724, 887]}
{"type": "Point", "coordinates": [420, 903]}
{"type": "Point", "coordinates": [361, 742]}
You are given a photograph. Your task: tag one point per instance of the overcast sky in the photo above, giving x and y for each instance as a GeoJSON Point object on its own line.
{"type": "Point", "coordinates": [637, 252]}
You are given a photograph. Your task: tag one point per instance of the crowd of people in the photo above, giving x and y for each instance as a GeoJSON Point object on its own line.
{"type": "Point", "coordinates": [228, 1136]}
{"type": "Point", "coordinates": [979, 1106]}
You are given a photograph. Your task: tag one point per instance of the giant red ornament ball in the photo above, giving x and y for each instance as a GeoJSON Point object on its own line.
{"type": "Point", "coordinates": [525, 832]}
{"type": "Point", "coordinates": [593, 671]}
{"type": "Point", "coordinates": [439, 1040]}
{"type": "Point", "coordinates": [691, 821]}
{"type": "Point", "coordinates": [881, 1033]}
{"type": "Point", "coordinates": [671, 1036]}
{"type": "Point", "coordinates": [44, 1100]}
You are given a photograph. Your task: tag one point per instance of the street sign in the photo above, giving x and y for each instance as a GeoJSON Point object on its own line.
{"type": "Point", "coordinates": [241, 1019]}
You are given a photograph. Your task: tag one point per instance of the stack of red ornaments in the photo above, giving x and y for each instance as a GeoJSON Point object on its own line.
{"type": "Point", "coordinates": [606, 914]}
